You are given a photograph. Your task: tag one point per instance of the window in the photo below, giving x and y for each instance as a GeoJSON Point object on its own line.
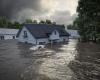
{"type": "Point", "coordinates": [25, 34]}
{"type": "Point", "coordinates": [41, 43]}
{"type": "Point", "coordinates": [13, 37]}
{"type": "Point", "coordinates": [55, 32]}
{"type": "Point", "coordinates": [2, 38]}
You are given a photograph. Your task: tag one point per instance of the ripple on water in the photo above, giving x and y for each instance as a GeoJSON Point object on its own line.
{"type": "Point", "coordinates": [56, 67]}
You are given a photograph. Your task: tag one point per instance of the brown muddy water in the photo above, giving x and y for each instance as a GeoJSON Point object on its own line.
{"type": "Point", "coordinates": [17, 62]}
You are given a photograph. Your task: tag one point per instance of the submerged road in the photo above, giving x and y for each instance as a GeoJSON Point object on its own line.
{"type": "Point", "coordinates": [17, 62]}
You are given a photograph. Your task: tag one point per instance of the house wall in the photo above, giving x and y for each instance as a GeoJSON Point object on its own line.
{"type": "Point", "coordinates": [60, 39]}
{"type": "Point", "coordinates": [29, 39]}
{"type": "Point", "coordinates": [73, 33]}
{"type": "Point", "coordinates": [33, 40]}
{"type": "Point", "coordinates": [9, 36]}
{"type": "Point", "coordinates": [54, 36]}
{"type": "Point", "coordinates": [6, 37]}
{"type": "Point", "coordinates": [6, 33]}
{"type": "Point", "coordinates": [64, 38]}
{"type": "Point", "coordinates": [45, 40]}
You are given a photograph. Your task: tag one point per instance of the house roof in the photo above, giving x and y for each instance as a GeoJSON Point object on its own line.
{"type": "Point", "coordinates": [6, 31]}
{"type": "Point", "coordinates": [73, 32]}
{"type": "Point", "coordinates": [42, 30]}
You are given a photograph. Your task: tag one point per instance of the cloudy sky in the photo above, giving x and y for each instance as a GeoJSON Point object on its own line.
{"type": "Point", "coordinates": [61, 11]}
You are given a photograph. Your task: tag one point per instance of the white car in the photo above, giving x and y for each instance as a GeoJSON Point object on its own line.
{"type": "Point", "coordinates": [37, 47]}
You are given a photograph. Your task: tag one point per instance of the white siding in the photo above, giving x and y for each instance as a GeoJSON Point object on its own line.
{"type": "Point", "coordinates": [9, 37]}
{"type": "Point", "coordinates": [65, 38]}
{"type": "Point", "coordinates": [29, 39]}
{"type": "Point", "coordinates": [54, 36]}
{"type": "Point", "coordinates": [43, 40]}
{"type": "Point", "coordinates": [73, 33]}
{"type": "Point", "coordinates": [8, 33]}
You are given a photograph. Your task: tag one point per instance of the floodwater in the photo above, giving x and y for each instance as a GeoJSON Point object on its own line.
{"type": "Point", "coordinates": [17, 62]}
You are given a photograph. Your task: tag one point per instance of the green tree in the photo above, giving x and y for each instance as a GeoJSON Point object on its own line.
{"type": "Point", "coordinates": [48, 21]}
{"type": "Point", "coordinates": [35, 22]}
{"type": "Point", "coordinates": [10, 25]}
{"type": "Point", "coordinates": [42, 22]}
{"type": "Point", "coordinates": [89, 19]}
{"type": "Point", "coordinates": [54, 23]}
{"type": "Point", "coordinates": [70, 26]}
{"type": "Point", "coordinates": [16, 25]}
{"type": "Point", "coordinates": [28, 21]}
{"type": "Point", "coordinates": [3, 22]}
{"type": "Point", "coordinates": [63, 26]}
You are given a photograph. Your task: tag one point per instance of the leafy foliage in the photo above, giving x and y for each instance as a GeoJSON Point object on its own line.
{"type": "Point", "coordinates": [5, 23]}
{"type": "Point", "coordinates": [88, 20]}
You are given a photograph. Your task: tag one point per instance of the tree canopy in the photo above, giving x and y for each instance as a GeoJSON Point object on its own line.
{"type": "Point", "coordinates": [88, 20]}
{"type": "Point", "coordinates": [5, 23]}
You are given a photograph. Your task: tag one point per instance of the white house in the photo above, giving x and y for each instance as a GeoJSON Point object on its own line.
{"type": "Point", "coordinates": [73, 33]}
{"type": "Point", "coordinates": [42, 34]}
{"type": "Point", "coordinates": [8, 33]}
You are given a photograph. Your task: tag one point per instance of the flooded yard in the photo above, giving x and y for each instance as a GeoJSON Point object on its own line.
{"type": "Point", "coordinates": [14, 58]}
{"type": "Point", "coordinates": [17, 62]}
{"type": "Point", "coordinates": [86, 66]}
{"type": "Point", "coordinates": [72, 61]}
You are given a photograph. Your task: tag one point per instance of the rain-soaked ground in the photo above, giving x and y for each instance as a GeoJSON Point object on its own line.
{"type": "Point", "coordinates": [17, 62]}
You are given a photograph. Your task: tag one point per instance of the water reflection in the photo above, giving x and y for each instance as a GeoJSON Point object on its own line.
{"type": "Point", "coordinates": [54, 67]}
{"type": "Point", "coordinates": [17, 62]}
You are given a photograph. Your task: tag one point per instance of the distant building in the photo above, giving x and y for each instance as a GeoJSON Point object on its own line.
{"type": "Point", "coordinates": [73, 33]}
{"type": "Point", "coordinates": [42, 34]}
{"type": "Point", "coordinates": [8, 33]}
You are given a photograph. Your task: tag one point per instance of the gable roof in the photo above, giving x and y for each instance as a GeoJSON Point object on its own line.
{"type": "Point", "coordinates": [73, 32]}
{"type": "Point", "coordinates": [42, 30]}
{"type": "Point", "coordinates": [6, 31]}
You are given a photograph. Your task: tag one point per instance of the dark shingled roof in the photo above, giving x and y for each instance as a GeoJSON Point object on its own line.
{"type": "Point", "coordinates": [43, 30]}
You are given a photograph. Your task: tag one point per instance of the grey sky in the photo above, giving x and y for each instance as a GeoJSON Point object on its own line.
{"type": "Point", "coordinates": [61, 11]}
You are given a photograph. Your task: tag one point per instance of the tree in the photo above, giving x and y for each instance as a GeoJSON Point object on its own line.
{"type": "Point", "coordinates": [45, 22]}
{"type": "Point", "coordinates": [10, 25]}
{"type": "Point", "coordinates": [35, 22]}
{"type": "Point", "coordinates": [42, 22]}
{"type": "Point", "coordinates": [70, 26]}
{"type": "Point", "coordinates": [3, 22]}
{"type": "Point", "coordinates": [89, 19]}
{"type": "Point", "coordinates": [28, 21]}
{"type": "Point", "coordinates": [48, 21]}
{"type": "Point", "coordinates": [63, 26]}
{"type": "Point", "coordinates": [16, 25]}
{"type": "Point", "coordinates": [54, 23]}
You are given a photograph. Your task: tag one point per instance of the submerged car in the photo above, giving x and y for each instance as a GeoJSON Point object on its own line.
{"type": "Point", "coordinates": [36, 47]}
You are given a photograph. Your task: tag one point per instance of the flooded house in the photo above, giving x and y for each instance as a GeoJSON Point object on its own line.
{"type": "Point", "coordinates": [6, 33]}
{"type": "Point", "coordinates": [42, 34]}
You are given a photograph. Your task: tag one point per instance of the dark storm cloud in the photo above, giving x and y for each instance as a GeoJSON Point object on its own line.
{"type": "Point", "coordinates": [12, 7]}
{"type": "Point", "coordinates": [20, 10]}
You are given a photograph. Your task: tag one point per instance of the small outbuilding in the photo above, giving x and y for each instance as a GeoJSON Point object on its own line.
{"type": "Point", "coordinates": [73, 34]}
{"type": "Point", "coordinates": [6, 34]}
